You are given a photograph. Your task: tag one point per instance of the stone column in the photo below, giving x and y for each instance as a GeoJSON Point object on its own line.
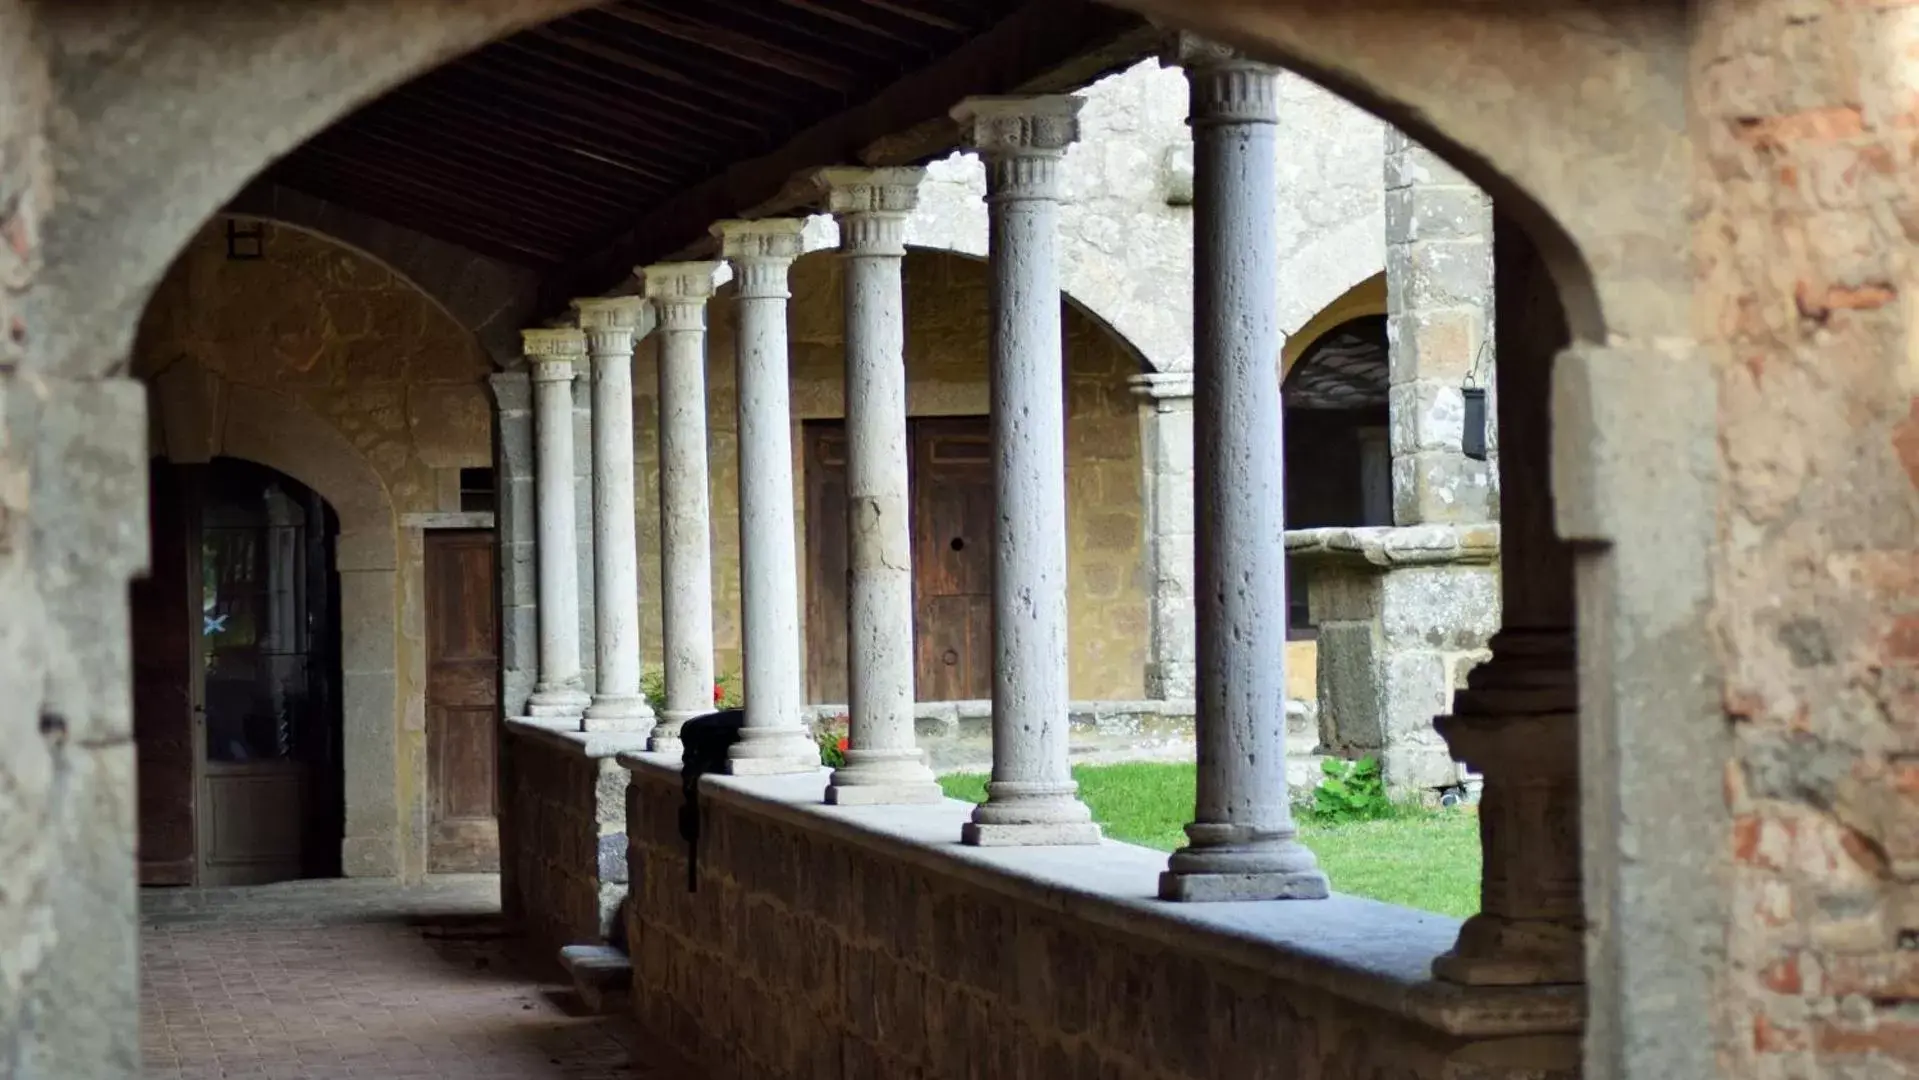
{"type": "Point", "coordinates": [583, 472]}
{"type": "Point", "coordinates": [883, 762]}
{"type": "Point", "coordinates": [1438, 288]}
{"type": "Point", "coordinates": [1517, 720]}
{"type": "Point", "coordinates": [610, 325]}
{"type": "Point", "coordinates": [552, 355]}
{"type": "Point", "coordinates": [1241, 844]}
{"type": "Point", "coordinates": [1032, 798]}
{"type": "Point", "coordinates": [1166, 460]}
{"type": "Point", "coordinates": [515, 525]}
{"type": "Point", "coordinates": [679, 291]}
{"type": "Point", "coordinates": [773, 739]}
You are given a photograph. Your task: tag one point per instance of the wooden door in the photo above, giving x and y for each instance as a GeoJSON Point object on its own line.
{"type": "Point", "coordinates": [953, 558]}
{"type": "Point", "coordinates": [164, 627]}
{"type": "Point", "coordinates": [462, 702]}
{"type": "Point", "coordinates": [826, 562]}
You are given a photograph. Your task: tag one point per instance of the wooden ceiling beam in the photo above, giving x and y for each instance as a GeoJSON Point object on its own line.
{"type": "Point", "coordinates": [508, 177]}
{"type": "Point", "coordinates": [404, 209]}
{"type": "Point", "coordinates": [1025, 52]}
{"type": "Point", "coordinates": [666, 159]}
{"type": "Point", "coordinates": [744, 47]}
{"type": "Point", "coordinates": [833, 13]}
{"type": "Point", "coordinates": [918, 15]}
{"type": "Point", "coordinates": [690, 120]}
{"type": "Point", "coordinates": [612, 154]}
{"type": "Point", "coordinates": [566, 228]}
{"type": "Point", "coordinates": [624, 56]}
{"type": "Point", "coordinates": [499, 152]}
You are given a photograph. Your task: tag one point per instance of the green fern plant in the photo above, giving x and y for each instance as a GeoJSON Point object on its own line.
{"type": "Point", "coordinates": [1351, 791]}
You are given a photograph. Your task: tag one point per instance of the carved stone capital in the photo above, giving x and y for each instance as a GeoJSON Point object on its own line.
{"type": "Point", "coordinates": [610, 323]}
{"type": "Point", "coordinates": [552, 353]}
{"type": "Point", "coordinates": [761, 251]}
{"type": "Point", "coordinates": [872, 206]}
{"type": "Point", "coordinates": [1001, 127]}
{"type": "Point", "coordinates": [680, 290]}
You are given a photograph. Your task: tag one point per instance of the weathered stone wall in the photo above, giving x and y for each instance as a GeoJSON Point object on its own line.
{"type": "Point", "coordinates": [1126, 248]}
{"type": "Point", "coordinates": [563, 863]}
{"type": "Point", "coordinates": [1809, 214]}
{"type": "Point", "coordinates": [827, 943]}
{"type": "Point", "coordinates": [946, 376]}
{"type": "Point", "coordinates": [318, 361]}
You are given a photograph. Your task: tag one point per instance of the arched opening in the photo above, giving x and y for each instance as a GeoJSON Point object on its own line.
{"type": "Point", "coordinates": [1338, 443]}
{"type": "Point", "coordinates": [237, 701]}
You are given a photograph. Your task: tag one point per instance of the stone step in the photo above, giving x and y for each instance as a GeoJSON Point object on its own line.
{"type": "Point", "coordinates": [602, 976]}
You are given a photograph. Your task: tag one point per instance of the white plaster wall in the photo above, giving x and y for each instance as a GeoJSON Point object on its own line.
{"type": "Point", "coordinates": [1126, 254]}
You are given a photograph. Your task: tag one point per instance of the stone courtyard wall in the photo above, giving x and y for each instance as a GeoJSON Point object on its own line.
{"type": "Point", "coordinates": [828, 943]}
{"type": "Point", "coordinates": [563, 835]}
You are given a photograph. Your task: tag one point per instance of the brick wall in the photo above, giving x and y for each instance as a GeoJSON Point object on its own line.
{"type": "Point", "coordinates": [563, 860]}
{"type": "Point", "coordinates": [831, 943]}
{"type": "Point", "coordinates": [1809, 212]}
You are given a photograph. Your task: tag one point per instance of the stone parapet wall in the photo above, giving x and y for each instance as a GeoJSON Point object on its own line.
{"type": "Point", "coordinates": [563, 861]}
{"type": "Point", "coordinates": [834, 942]}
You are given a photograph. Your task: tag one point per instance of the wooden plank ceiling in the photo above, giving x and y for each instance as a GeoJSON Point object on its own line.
{"type": "Point", "coordinates": [562, 144]}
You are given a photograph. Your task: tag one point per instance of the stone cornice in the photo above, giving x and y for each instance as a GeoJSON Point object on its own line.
{"type": "Point", "coordinates": [1162, 385]}
{"type": "Point", "coordinates": [998, 127]}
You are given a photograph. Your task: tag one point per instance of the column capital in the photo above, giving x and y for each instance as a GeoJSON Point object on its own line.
{"type": "Point", "coordinates": [610, 323]}
{"type": "Point", "coordinates": [1226, 86]}
{"type": "Point", "coordinates": [1019, 126]}
{"type": "Point", "coordinates": [552, 353]}
{"type": "Point", "coordinates": [760, 252]}
{"type": "Point", "coordinates": [872, 206]}
{"type": "Point", "coordinates": [680, 290]}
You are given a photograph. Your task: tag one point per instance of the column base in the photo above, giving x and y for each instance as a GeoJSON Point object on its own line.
{"type": "Point", "coordinates": [1225, 862]}
{"type": "Point", "coordinates": [878, 777]}
{"type": "Point", "coordinates": [558, 702]}
{"type": "Point", "coordinates": [772, 752]}
{"type": "Point", "coordinates": [618, 712]}
{"type": "Point", "coordinates": [666, 731]}
{"type": "Point", "coordinates": [1496, 951]}
{"type": "Point", "coordinates": [1030, 813]}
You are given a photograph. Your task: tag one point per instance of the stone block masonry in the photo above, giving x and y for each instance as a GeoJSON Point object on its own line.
{"type": "Point", "coordinates": [832, 942]}
{"type": "Point", "coordinates": [563, 864]}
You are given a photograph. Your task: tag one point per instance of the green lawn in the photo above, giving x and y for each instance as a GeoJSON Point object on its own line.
{"type": "Point", "coordinates": [1426, 860]}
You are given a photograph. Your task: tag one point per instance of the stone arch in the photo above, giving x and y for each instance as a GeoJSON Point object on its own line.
{"type": "Point", "coordinates": [1367, 297]}
{"type": "Point", "coordinates": [199, 416]}
{"type": "Point", "coordinates": [491, 298]}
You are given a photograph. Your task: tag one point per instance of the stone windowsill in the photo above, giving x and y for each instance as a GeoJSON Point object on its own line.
{"type": "Point", "coordinates": [1386, 546]}
{"type": "Point", "coordinates": [567, 735]}
{"type": "Point", "coordinates": [1373, 954]}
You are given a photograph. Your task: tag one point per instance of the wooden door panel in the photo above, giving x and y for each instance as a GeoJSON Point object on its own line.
{"type": "Point", "coordinates": [163, 618]}
{"type": "Point", "coordinates": [462, 699]}
{"type": "Point", "coordinates": [953, 557]}
{"type": "Point", "coordinates": [826, 562]}
{"type": "Point", "coordinates": [256, 818]}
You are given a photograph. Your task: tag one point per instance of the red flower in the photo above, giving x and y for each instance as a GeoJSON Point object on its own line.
{"type": "Point", "coordinates": [841, 744]}
{"type": "Point", "coordinates": [719, 694]}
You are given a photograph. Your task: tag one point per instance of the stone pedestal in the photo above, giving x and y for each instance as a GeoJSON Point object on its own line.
{"type": "Point", "coordinates": [1403, 615]}
{"type": "Point", "coordinates": [609, 325]}
{"type": "Point", "coordinates": [679, 292]}
{"type": "Point", "coordinates": [883, 761]}
{"type": "Point", "coordinates": [773, 739]}
{"type": "Point", "coordinates": [1166, 484]}
{"type": "Point", "coordinates": [559, 691]}
{"type": "Point", "coordinates": [1241, 843]}
{"type": "Point", "coordinates": [1032, 798]}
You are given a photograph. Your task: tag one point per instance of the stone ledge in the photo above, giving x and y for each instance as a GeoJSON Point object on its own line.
{"type": "Point", "coordinates": [1362, 951]}
{"type": "Point", "coordinates": [563, 734]}
{"type": "Point", "coordinates": [1390, 546]}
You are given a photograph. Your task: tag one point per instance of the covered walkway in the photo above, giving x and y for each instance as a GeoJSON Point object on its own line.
{"type": "Point", "coordinates": [337, 979]}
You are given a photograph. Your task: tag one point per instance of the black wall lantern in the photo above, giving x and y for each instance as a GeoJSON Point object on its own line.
{"type": "Point", "coordinates": [1472, 437]}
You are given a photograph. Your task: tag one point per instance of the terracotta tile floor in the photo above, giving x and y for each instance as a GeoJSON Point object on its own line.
{"type": "Point", "coordinates": [326, 979]}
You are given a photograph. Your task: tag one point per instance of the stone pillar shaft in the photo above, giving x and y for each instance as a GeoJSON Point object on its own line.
{"type": "Point", "coordinates": [679, 291]}
{"type": "Point", "coordinates": [773, 738]}
{"type": "Point", "coordinates": [552, 355]}
{"type": "Point", "coordinates": [1241, 843]}
{"type": "Point", "coordinates": [1166, 453]}
{"type": "Point", "coordinates": [610, 325]}
{"type": "Point", "coordinates": [1517, 721]}
{"type": "Point", "coordinates": [517, 529]}
{"type": "Point", "coordinates": [1032, 798]}
{"type": "Point", "coordinates": [883, 762]}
